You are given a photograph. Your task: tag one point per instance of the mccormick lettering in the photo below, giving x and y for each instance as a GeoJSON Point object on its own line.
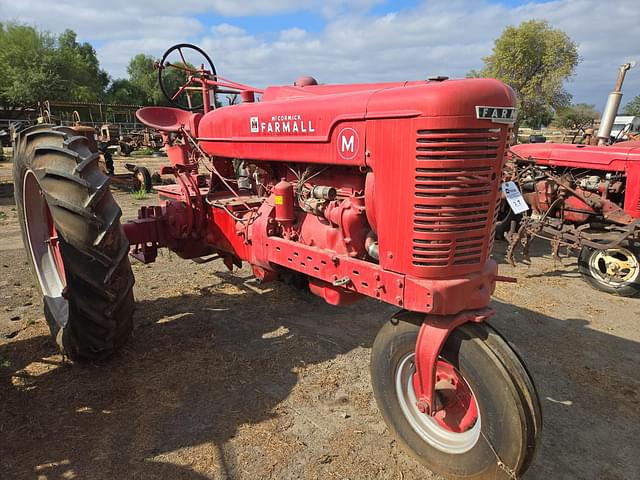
{"type": "Point", "coordinates": [290, 123]}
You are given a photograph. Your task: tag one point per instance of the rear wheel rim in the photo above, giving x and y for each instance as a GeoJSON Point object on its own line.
{"type": "Point", "coordinates": [44, 247]}
{"type": "Point", "coordinates": [614, 267]}
{"type": "Point", "coordinates": [455, 429]}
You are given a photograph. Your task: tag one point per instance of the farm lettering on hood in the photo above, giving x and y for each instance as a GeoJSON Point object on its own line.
{"type": "Point", "coordinates": [281, 124]}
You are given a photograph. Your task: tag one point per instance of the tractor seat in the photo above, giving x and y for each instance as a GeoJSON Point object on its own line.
{"type": "Point", "coordinates": [167, 119]}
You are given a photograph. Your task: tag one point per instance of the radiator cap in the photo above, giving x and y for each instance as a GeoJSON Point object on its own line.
{"type": "Point", "coordinates": [305, 81]}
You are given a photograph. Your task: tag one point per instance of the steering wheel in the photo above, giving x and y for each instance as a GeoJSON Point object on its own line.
{"type": "Point", "coordinates": [174, 76]}
{"type": "Point", "coordinates": [624, 131]}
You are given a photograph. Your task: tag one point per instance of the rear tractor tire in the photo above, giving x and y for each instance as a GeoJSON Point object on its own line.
{"type": "Point", "coordinates": [615, 270]}
{"type": "Point", "coordinates": [490, 418]}
{"type": "Point", "coordinates": [77, 250]}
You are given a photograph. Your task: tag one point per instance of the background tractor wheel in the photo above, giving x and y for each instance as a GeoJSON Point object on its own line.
{"type": "Point", "coordinates": [505, 217]}
{"type": "Point", "coordinates": [491, 418]}
{"type": "Point", "coordinates": [125, 149]}
{"type": "Point", "coordinates": [616, 270]}
{"type": "Point", "coordinates": [142, 180]}
{"type": "Point", "coordinates": [77, 250]}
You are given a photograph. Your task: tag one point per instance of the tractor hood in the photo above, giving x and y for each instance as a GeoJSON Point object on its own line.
{"type": "Point", "coordinates": [309, 124]}
{"type": "Point", "coordinates": [611, 157]}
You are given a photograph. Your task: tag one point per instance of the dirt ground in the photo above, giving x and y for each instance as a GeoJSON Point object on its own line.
{"type": "Point", "coordinates": [226, 380]}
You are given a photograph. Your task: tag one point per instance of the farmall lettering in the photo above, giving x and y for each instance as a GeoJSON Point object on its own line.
{"type": "Point", "coordinates": [496, 114]}
{"type": "Point", "coordinates": [348, 143]}
{"type": "Point", "coordinates": [290, 124]}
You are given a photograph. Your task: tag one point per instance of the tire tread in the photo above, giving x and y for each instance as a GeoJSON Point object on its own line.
{"type": "Point", "coordinates": [98, 273]}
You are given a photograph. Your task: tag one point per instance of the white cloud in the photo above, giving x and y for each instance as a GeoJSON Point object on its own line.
{"type": "Point", "coordinates": [226, 29]}
{"type": "Point", "coordinates": [447, 37]}
{"type": "Point", "coordinates": [292, 34]}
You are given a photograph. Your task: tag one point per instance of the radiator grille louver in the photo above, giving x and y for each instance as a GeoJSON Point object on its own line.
{"type": "Point", "coordinates": [455, 182]}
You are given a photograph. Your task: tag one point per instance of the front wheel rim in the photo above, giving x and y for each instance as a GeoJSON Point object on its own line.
{"type": "Point", "coordinates": [434, 430]}
{"type": "Point", "coordinates": [614, 267]}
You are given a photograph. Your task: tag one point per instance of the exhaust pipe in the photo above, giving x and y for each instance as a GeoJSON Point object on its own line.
{"type": "Point", "coordinates": [613, 102]}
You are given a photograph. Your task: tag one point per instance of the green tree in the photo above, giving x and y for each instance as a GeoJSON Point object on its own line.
{"type": "Point", "coordinates": [28, 70]}
{"type": "Point", "coordinates": [534, 59]}
{"type": "Point", "coordinates": [79, 64]}
{"type": "Point", "coordinates": [144, 76]}
{"type": "Point", "coordinates": [37, 66]}
{"type": "Point", "coordinates": [125, 92]}
{"type": "Point", "coordinates": [633, 107]}
{"type": "Point", "coordinates": [575, 117]}
{"type": "Point", "coordinates": [539, 116]}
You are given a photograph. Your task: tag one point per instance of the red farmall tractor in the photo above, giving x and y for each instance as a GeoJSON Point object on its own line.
{"type": "Point", "coordinates": [384, 190]}
{"type": "Point", "coordinates": [586, 198]}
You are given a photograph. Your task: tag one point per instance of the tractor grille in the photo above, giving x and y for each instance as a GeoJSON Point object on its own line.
{"type": "Point", "coordinates": [456, 177]}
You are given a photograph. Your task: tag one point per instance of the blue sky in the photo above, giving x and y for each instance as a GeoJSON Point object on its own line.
{"type": "Point", "coordinates": [308, 19]}
{"type": "Point", "coordinates": [273, 42]}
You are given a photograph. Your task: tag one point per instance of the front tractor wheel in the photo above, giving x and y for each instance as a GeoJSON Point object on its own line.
{"type": "Point", "coordinates": [77, 250]}
{"type": "Point", "coordinates": [489, 416]}
{"type": "Point", "coordinates": [616, 270]}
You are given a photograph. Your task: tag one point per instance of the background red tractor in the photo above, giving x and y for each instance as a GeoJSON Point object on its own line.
{"type": "Point", "coordinates": [384, 190]}
{"type": "Point", "coordinates": [584, 197]}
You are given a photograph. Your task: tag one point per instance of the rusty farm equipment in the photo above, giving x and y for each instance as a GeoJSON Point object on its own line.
{"type": "Point", "coordinates": [585, 198]}
{"type": "Point", "coordinates": [131, 140]}
{"type": "Point", "coordinates": [138, 178]}
{"type": "Point", "coordinates": [383, 190]}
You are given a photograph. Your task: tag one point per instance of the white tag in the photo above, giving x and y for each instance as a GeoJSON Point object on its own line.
{"type": "Point", "coordinates": [514, 197]}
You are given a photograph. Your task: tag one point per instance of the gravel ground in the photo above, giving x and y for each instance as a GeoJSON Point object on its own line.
{"type": "Point", "coordinates": [223, 379]}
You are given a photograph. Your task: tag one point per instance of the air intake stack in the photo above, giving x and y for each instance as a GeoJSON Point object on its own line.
{"type": "Point", "coordinates": [613, 102]}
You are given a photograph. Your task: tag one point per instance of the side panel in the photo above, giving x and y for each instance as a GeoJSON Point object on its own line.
{"type": "Point", "coordinates": [309, 130]}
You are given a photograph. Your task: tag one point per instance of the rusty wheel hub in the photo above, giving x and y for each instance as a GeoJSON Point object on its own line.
{"type": "Point", "coordinates": [614, 266]}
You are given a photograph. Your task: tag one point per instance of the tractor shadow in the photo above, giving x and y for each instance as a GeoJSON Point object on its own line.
{"type": "Point", "coordinates": [209, 367]}
{"type": "Point", "coordinates": [589, 389]}
{"type": "Point", "coordinates": [198, 368]}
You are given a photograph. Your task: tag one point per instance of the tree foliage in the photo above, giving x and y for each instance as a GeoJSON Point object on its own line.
{"type": "Point", "coordinates": [534, 59]}
{"type": "Point", "coordinates": [143, 76]}
{"type": "Point", "coordinates": [37, 66]}
{"type": "Point", "coordinates": [575, 117]}
{"type": "Point", "coordinates": [125, 92]}
{"type": "Point", "coordinates": [633, 107]}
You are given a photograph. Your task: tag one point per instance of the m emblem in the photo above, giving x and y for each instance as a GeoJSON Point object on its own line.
{"type": "Point", "coordinates": [348, 143]}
